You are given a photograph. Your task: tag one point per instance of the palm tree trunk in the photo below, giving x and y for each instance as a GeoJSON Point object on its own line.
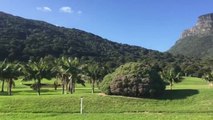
{"type": "Point", "coordinates": [170, 85]}
{"type": "Point", "coordinates": [62, 88]}
{"type": "Point", "coordinates": [10, 87]}
{"type": "Point", "coordinates": [63, 83]}
{"type": "Point", "coordinates": [55, 85]}
{"type": "Point", "coordinates": [2, 86]}
{"type": "Point", "coordinates": [38, 87]}
{"type": "Point", "coordinates": [93, 86]}
{"type": "Point", "coordinates": [71, 86]}
{"type": "Point", "coordinates": [66, 84]}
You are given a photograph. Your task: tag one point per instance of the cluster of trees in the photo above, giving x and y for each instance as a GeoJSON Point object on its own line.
{"type": "Point", "coordinates": [22, 39]}
{"type": "Point", "coordinates": [139, 79]}
{"type": "Point", "coordinates": [45, 44]}
{"type": "Point", "coordinates": [9, 72]}
{"type": "Point", "coordinates": [68, 72]}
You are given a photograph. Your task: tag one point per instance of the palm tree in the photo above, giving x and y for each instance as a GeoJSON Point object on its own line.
{"type": "Point", "coordinates": [171, 77]}
{"type": "Point", "coordinates": [209, 77]}
{"type": "Point", "coordinates": [37, 71]}
{"type": "Point", "coordinates": [10, 73]}
{"type": "Point", "coordinates": [2, 67]}
{"type": "Point", "coordinates": [96, 73]}
{"type": "Point", "coordinates": [68, 71]}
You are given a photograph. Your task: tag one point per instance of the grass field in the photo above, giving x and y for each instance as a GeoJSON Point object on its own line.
{"type": "Point", "coordinates": [191, 99]}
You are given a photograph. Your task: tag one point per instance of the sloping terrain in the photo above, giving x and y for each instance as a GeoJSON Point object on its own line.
{"type": "Point", "coordinates": [194, 46]}
{"type": "Point", "coordinates": [21, 39]}
{"type": "Point", "coordinates": [197, 41]}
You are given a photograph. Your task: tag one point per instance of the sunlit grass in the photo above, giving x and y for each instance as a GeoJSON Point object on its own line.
{"type": "Point", "coordinates": [191, 99]}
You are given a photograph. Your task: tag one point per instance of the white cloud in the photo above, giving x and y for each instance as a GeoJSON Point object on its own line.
{"type": "Point", "coordinates": [44, 9]}
{"type": "Point", "coordinates": [79, 12]}
{"type": "Point", "coordinates": [66, 9]}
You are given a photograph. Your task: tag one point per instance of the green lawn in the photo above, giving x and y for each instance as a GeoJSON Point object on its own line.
{"type": "Point", "coordinates": [191, 99]}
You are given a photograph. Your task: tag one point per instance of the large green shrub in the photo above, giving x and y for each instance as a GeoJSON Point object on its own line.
{"type": "Point", "coordinates": [135, 80]}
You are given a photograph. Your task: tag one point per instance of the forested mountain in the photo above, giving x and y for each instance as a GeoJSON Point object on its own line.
{"type": "Point", "coordinates": [195, 46]}
{"type": "Point", "coordinates": [22, 39]}
{"type": "Point", "coordinates": [198, 41]}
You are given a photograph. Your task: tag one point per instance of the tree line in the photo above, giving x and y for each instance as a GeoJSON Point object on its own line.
{"type": "Point", "coordinates": [68, 71]}
{"type": "Point", "coordinates": [71, 71]}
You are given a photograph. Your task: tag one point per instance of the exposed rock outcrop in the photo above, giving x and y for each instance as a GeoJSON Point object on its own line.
{"type": "Point", "coordinates": [197, 41]}
{"type": "Point", "coordinates": [204, 26]}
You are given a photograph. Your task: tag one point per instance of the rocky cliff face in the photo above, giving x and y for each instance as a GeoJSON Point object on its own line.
{"type": "Point", "coordinates": [204, 26]}
{"type": "Point", "coordinates": [197, 41]}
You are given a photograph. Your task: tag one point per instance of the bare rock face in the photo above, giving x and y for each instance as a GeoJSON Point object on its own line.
{"type": "Point", "coordinates": [204, 26]}
{"type": "Point", "coordinates": [196, 42]}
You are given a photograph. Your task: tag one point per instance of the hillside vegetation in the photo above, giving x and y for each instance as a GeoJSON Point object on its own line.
{"type": "Point", "coordinates": [197, 41]}
{"type": "Point", "coordinates": [194, 46]}
{"type": "Point", "coordinates": [23, 39]}
{"type": "Point", "coordinates": [37, 58]}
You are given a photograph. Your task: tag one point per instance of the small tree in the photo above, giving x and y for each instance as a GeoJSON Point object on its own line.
{"type": "Point", "coordinates": [37, 71]}
{"type": "Point", "coordinates": [11, 72]}
{"type": "Point", "coordinates": [93, 72]}
{"type": "Point", "coordinates": [96, 73]}
{"type": "Point", "coordinates": [2, 67]}
{"type": "Point", "coordinates": [171, 76]}
{"type": "Point", "coordinates": [68, 70]}
{"type": "Point", "coordinates": [209, 77]}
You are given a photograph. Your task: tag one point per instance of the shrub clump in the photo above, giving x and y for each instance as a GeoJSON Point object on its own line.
{"type": "Point", "coordinates": [134, 80]}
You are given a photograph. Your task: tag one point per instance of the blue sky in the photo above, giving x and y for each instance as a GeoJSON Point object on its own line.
{"type": "Point", "coordinates": [153, 24]}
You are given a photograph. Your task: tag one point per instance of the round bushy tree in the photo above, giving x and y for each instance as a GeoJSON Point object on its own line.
{"type": "Point", "coordinates": [135, 80]}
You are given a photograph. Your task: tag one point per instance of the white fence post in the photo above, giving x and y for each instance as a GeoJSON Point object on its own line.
{"type": "Point", "coordinates": [81, 106]}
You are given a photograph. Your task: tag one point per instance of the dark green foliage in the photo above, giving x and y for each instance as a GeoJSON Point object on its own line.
{"type": "Point", "coordinates": [37, 71]}
{"type": "Point", "coordinates": [133, 79]}
{"type": "Point", "coordinates": [68, 73]}
{"type": "Point", "coordinates": [95, 73]}
{"type": "Point", "coordinates": [194, 46]}
{"type": "Point", "coordinates": [23, 39]}
{"type": "Point", "coordinates": [171, 76]}
{"type": "Point", "coordinates": [199, 47]}
{"type": "Point", "coordinates": [9, 72]}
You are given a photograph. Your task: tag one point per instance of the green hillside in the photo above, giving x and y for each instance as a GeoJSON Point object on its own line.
{"type": "Point", "coordinates": [197, 41]}
{"type": "Point", "coordinates": [22, 39]}
{"type": "Point", "coordinates": [194, 46]}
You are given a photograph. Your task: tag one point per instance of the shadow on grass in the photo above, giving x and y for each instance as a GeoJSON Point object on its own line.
{"type": "Point", "coordinates": [27, 92]}
{"type": "Point", "coordinates": [177, 94]}
{"type": "Point", "coordinates": [45, 91]}
{"type": "Point", "coordinates": [3, 93]}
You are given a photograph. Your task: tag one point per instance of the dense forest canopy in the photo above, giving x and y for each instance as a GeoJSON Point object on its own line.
{"type": "Point", "coordinates": [194, 46]}
{"type": "Point", "coordinates": [23, 39]}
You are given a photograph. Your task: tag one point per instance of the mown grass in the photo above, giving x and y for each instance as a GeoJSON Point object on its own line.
{"type": "Point", "coordinates": [104, 116]}
{"type": "Point", "coordinates": [191, 99]}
